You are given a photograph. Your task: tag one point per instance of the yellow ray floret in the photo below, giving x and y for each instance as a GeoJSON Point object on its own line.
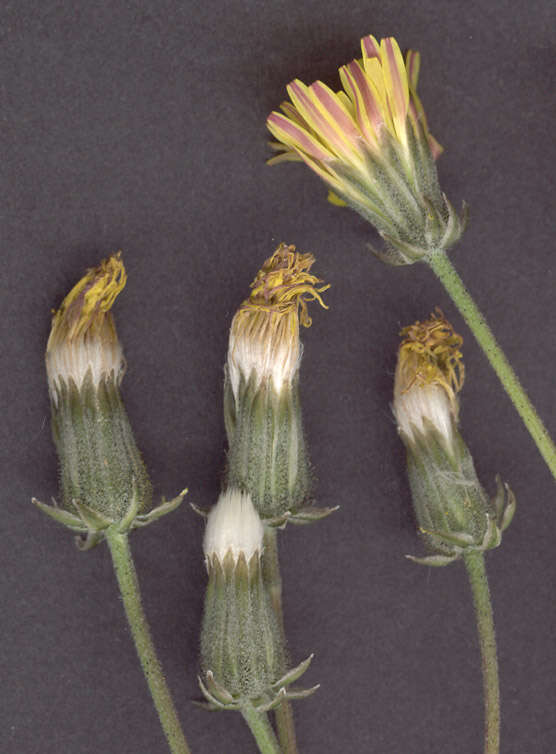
{"type": "Point", "coordinates": [90, 300]}
{"type": "Point", "coordinates": [321, 126]}
{"type": "Point", "coordinates": [430, 355]}
{"type": "Point", "coordinates": [284, 284]}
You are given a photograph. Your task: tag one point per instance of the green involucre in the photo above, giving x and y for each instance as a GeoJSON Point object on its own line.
{"type": "Point", "coordinates": [100, 464]}
{"type": "Point", "coordinates": [267, 455]}
{"type": "Point", "coordinates": [241, 643]}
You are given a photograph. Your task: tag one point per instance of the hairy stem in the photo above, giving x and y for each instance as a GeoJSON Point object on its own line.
{"type": "Point", "coordinates": [261, 729]}
{"type": "Point", "coordinates": [131, 596]}
{"type": "Point", "coordinates": [271, 564]}
{"type": "Point", "coordinates": [459, 294]}
{"type": "Point", "coordinates": [475, 564]}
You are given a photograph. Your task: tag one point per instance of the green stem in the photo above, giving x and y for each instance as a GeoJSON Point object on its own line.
{"type": "Point", "coordinates": [475, 564]}
{"type": "Point", "coordinates": [261, 729]}
{"type": "Point", "coordinates": [284, 714]}
{"type": "Point", "coordinates": [129, 588]}
{"type": "Point", "coordinates": [449, 277]}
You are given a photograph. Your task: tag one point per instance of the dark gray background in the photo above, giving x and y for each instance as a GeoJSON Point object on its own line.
{"type": "Point", "coordinates": [140, 126]}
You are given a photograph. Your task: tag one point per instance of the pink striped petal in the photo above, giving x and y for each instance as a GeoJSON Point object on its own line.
{"type": "Point", "coordinates": [413, 65]}
{"type": "Point", "coordinates": [296, 137]}
{"type": "Point", "coordinates": [315, 115]}
{"type": "Point", "coordinates": [343, 121]}
{"type": "Point", "coordinates": [370, 47]}
{"type": "Point", "coordinates": [395, 77]}
{"type": "Point", "coordinates": [293, 114]}
{"type": "Point", "coordinates": [369, 113]}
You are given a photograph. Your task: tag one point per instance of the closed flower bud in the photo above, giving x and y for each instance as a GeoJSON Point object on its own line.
{"type": "Point", "coordinates": [267, 455]}
{"type": "Point", "coordinates": [452, 509]}
{"type": "Point", "coordinates": [103, 478]}
{"type": "Point", "coordinates": [242, 655]}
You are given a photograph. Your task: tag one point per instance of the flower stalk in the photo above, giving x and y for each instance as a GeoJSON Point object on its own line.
{"type": "Point", "coordinates": [261, 729]}
{"type": "Point", "coordinates": [131, 597]}
{"type": "Point", "coordinates": [450, 279]}
{"type": "Point", "coordinates": [475, 565]}
{"type": "Point", "coordinates": [284, 713]}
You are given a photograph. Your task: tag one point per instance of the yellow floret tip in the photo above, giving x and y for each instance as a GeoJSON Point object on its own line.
{"type": "Point", "coordinates": [430, 355]}
{"type": "Point", "coordinates": [284, 284]}
{"type": "Point", "coordinates": [91, 298]}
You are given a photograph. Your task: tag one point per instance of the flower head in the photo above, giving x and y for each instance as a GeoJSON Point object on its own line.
{"type": "Point", "coordinates": [429, 375]}
{"type": "Point", "coordinates": [83, 337]}
{"type": "Point", "coordinates": [372, 145]}
{"type": "Point", "coordinates": [102, 475]}
{"type": "Point", "coordinates": [453, 512]}
{"type": "Point", "coordinates": [264, 336]}
{"type": "Point", "coordinates": [242, 652]}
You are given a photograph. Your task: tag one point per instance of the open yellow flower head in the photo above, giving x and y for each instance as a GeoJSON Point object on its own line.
{"type": "Point", "coordinates": [371, 143]}
{"type": "Point", "coordinates": [429, 375]}
{"type": "Point", "coordinates": [83, 337]}
{"type": "Point", "coordinates": [264, 336]}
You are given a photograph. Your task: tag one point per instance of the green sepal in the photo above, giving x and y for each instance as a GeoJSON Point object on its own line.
{"type": "Point", "coordinates": [400, 252]}
{"type": "Point", "coordinates": [216, 689]}
{"type": "Point", "coordinates": [459, 539]}
{"type": "Point", "coordinates": [89, 540]}
{"type": "Point", "coordinates": [504, 502]}
{"type": "Point", "coordinates": [306, 515]}
{"type": "Point", "coordinates": [293, 694]}
{"type": "Point", "coordinates": [92, 525]}
{"type": "Point", "coordinates": [165, 507]}
{"type": "Point", "coordinates": [218, 697]}
{"type": "Point", "coordinates": [273, 703]}
{"type": "Point", "coordinates": [388, 255]}
{"type": "Point", "coordinates": [310, 514]}
{"type": "Point", "coordinates": [294, 674]}
{"type": "Point", "coordinates": [203, 512]}
{"type": "Point", "coordinates": [61, 516]}
{"type": "Point", "coordinates": [433, 560]}
{"type": "Point", "coordinates": [213, 701]}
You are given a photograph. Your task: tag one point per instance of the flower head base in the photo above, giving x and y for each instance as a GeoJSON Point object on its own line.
{"type": "Point", "coordinates": [429, 375]}
{"type": "Point", "coordinates": [264, 337]}
{"type": "Point", "coordinates": [372, 145]}
{"type": "Point", "coordinates": [83, 337]}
